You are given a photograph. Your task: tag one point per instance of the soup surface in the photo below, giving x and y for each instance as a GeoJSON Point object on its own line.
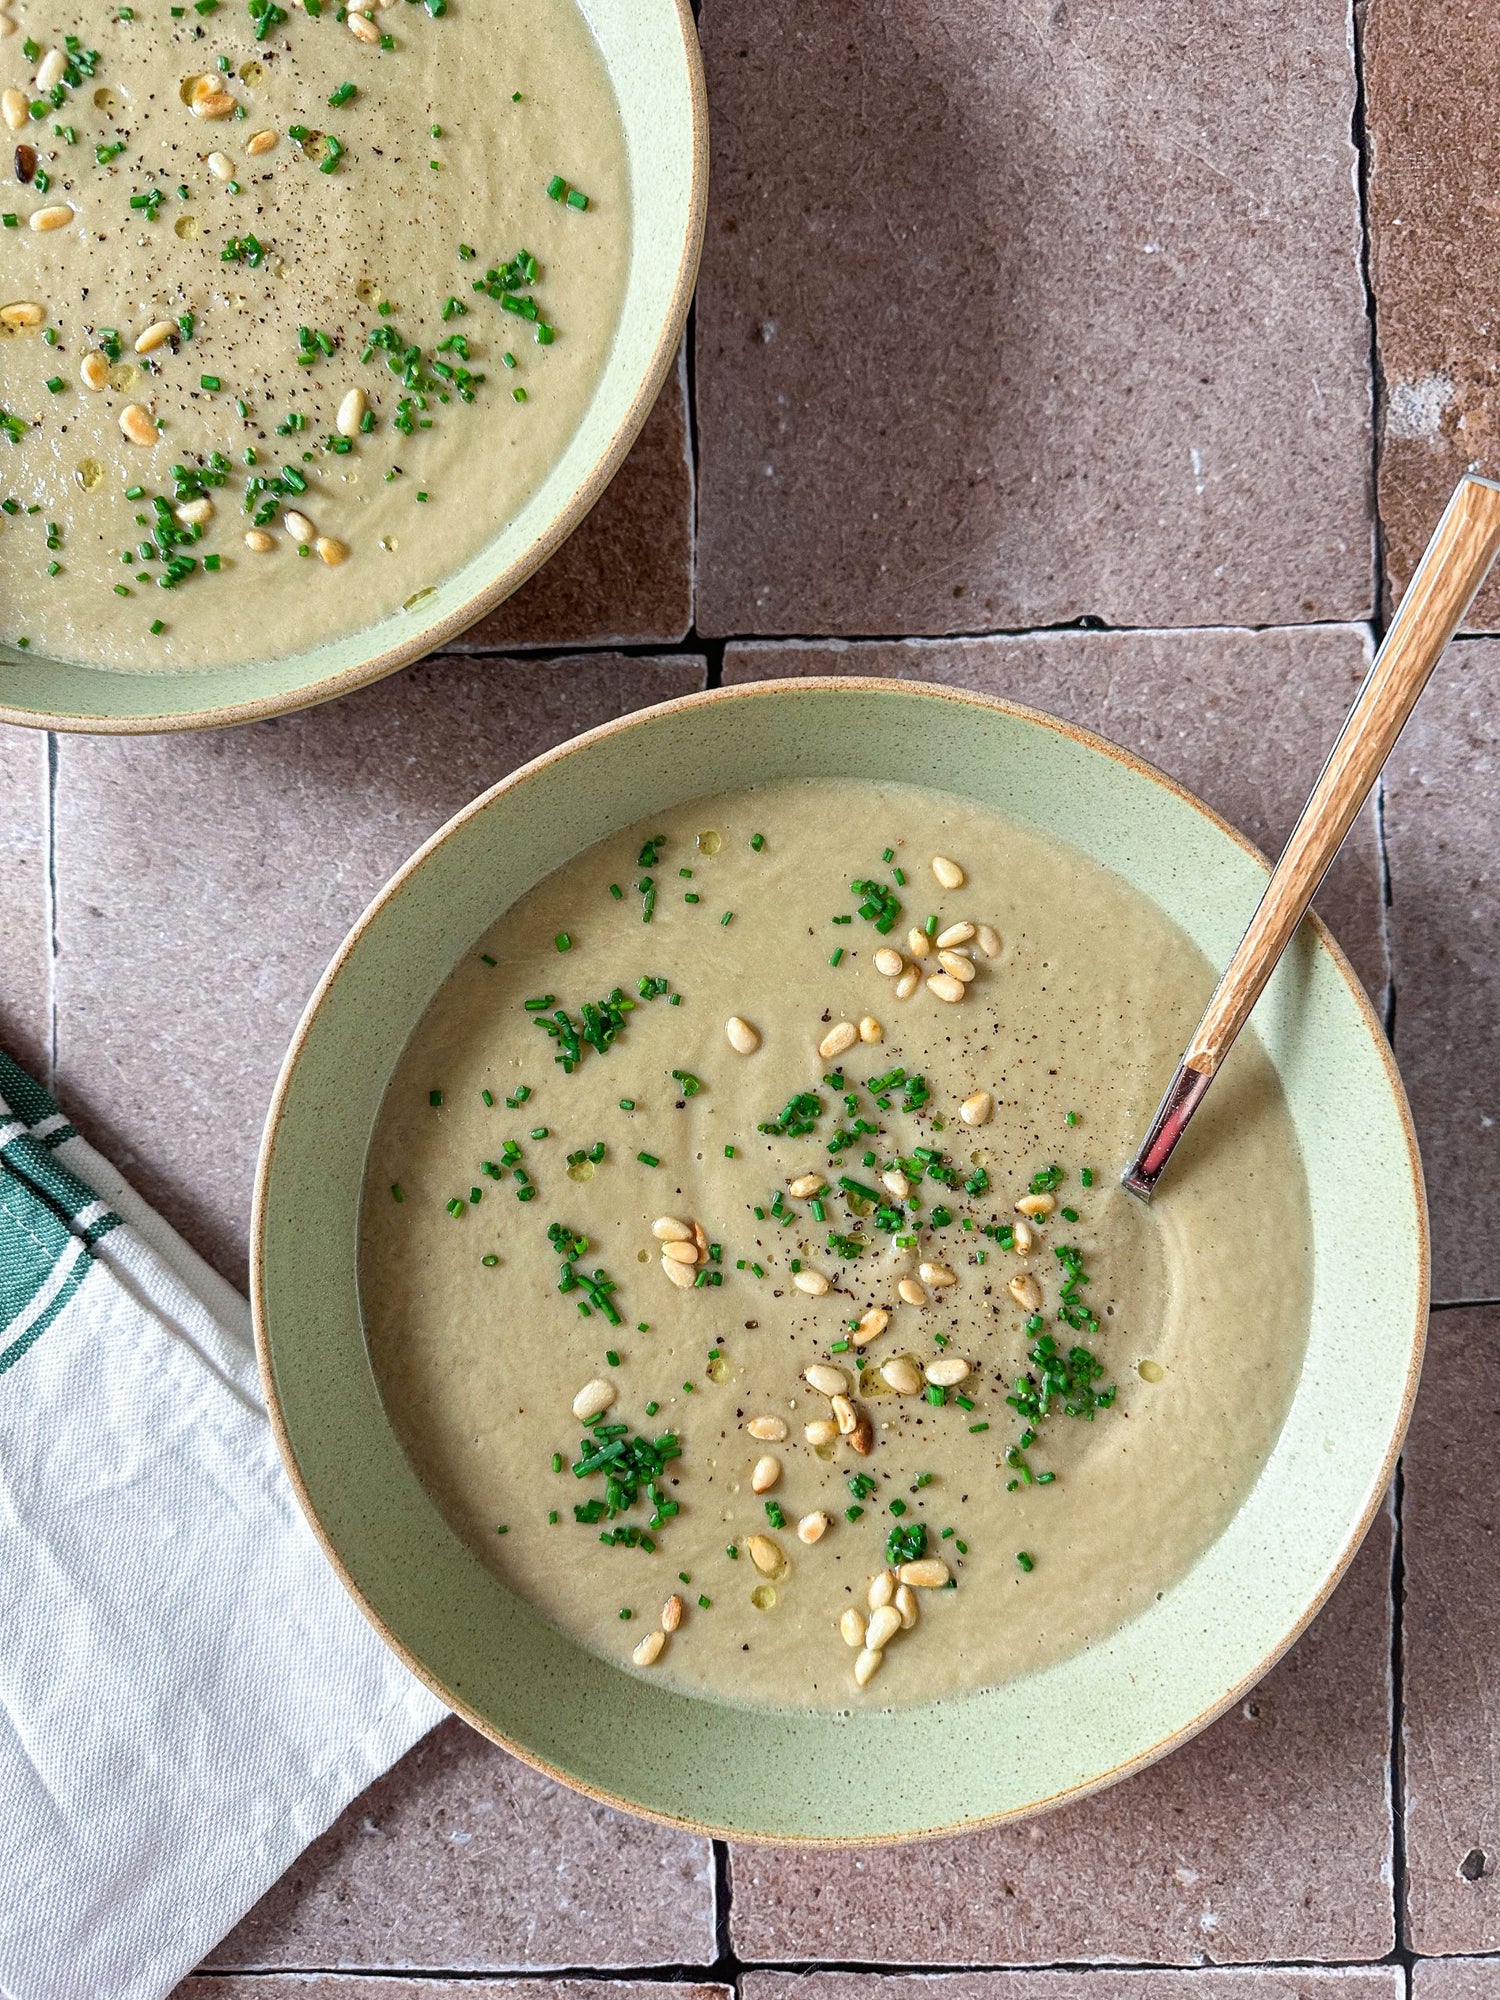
{"type": "Point", "coordinates": [822, 1231]}
{"type": "Point", "coordinates": [324, 297]}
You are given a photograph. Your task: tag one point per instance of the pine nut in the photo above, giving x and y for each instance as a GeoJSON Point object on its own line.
{"type": "Point", "coordinates": [841, 1036]}
{"type": "Point", "coordinates": [297, 525]}
{"type": "Point", "coordinates": [93, 371]}
{"type": "Point", "coordinates": [770, 1430]}
{"type": "Point", "coordinates": [908, 983]}
{"type": "Point", "coordinates": [700, 1237]}
{"type": "Point", "coordinates": [138, 424]}
{"type": "Point", "coordinates": [1021, 1238]}
{"type": "Point", "coordinates": [648, 1652]}
{"type": "Point", "coordinates": [363, 28]}
{"type": "Point", "coordinates": [866, 1667]}
{"type": "Point", "coordinates": [825, 1378]}
{"type": "Point", "coordinates": [910, 1292]}
{"type": "Point", "coordinates": [900, 1374]}
{"type": "Point", "coordinates": [805, 1186]}
{"type": "Point", "coordinates": [906, 1604]}
{"type": "Point", "coordinates": [988, 940]}
{"type": "Point", "coordinates": [671, 1229]}
{"type": "Point", "coordinates": [882, 1589]}
{"type": "Point", "coordinates": [1033, 1205]}
{"type": "Point", "coordinates": [955, 962]}
{"type": "Point", "coordinates": [195, 513]}
{"type": "Point", "coordinates": [592, 1400]}
{"type": "Point", "coordinates": [743, 1038]}
{"type": "Point", "coordinates": [23, 313]}
{"type": "Point", "coordinates": [948, 1371]}
{"type": "Point", "coordinates": [896, 1183]}
{"type": "Point", "coordinates": [844, 1415]}
{"type": "Point", "coordinates": [260, 541]}
{"type": "Point", "coordinates": [765, 1554]}
{"type": "Point", "coordinates": [948, 873]}
{"type": "Point", "coordinates": [955, 934]}
{"type": "Point", "coordinates": [7, 25]}
{"type": "Point", "coordinates": [918, 943]}
{"type": "Point", "coordinates": [680, 1253]}
{"type": "Point", "coordinates": [767, 1472]}
{"type": "Point", "coordinates": [671, 1613]}
{"type": "Point", "coordinates": [331, 550]}
{"type": "Point", "coordinates": [928, 1574]}
{"type": "Point", "coordinates": [221, 166]}
{"type": "Point", "coordinates": [15, 108]}
{"type": "Point", "coordinates": [213, 104]}
{"type": "Point", "coordinates": [852, 1627]}
{"type": "Point", "coordinates": [870, 1029]}
{"type": "Point", "coordinates": [883, 1626]}
{"type": "Point", "coordinates": [862, 1437]}
{"type": "Point", "coordinates": [943, 986]}
{"type": "Point", "coordinates": [261, 142]}
{"type": "Point", "coordinates": [976, 1109]}
{"type": "Point", "coordinates": [812, 1528]}
{"type": "Point", "coordinates": [1026, 1292]}
{"type": "Point", "coordinates": [939, 1276]}
{"type": "Point", "coordinates": [889, 961]}
{"type": "Point", "coordinates": [50, 71]}
{"type": "Point", "coordinates": [58, 216]}
{"type": "Point", "coordinates": [156, 335]}
{"type": "Point", "coordinates": [876, 1320]}
{"type": "Point", "coordinates": [821, 1432]}
{"type": "Point", "coordinates": [811, 1282]}
{"type": "Point", "coordinates": [683, 1276]}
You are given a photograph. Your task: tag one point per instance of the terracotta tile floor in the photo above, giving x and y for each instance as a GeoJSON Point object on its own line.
{"type": "Point", "coordinates": [1015, 314]}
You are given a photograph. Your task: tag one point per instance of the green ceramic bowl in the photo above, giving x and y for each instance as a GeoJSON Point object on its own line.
{"type": "Point", "coordinates": [875, 1777]}
{"type": "Point", "coordinates": [650, 48]}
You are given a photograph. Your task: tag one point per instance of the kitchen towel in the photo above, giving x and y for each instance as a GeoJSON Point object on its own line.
{"type": "Point", "coordinates": [187, 1694]}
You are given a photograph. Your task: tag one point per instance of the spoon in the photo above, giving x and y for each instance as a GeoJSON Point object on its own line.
{"type": "Point", "coordinates": [1456, 562]}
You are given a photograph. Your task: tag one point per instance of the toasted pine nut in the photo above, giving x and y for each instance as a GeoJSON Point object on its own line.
{"type": "Point", "coordinates": [15, 108]}
{"type": "Point", "coordinates": [770, 1430]}
{"type": "Point", "coordinates": [648, 1652]}
{"type": "Point", "coordinates": [297, 525]}
{"type": "Point", "coordinates": [908, 983]}
{"type": "Point", "coordinates": [938, 1276]}
{"type": "Point", "coordinates": [7, 25]}
{"type": "Point", "coordinates": [50, 71]}
{"type": "Point", "coordinates": [889, 961]}
{"type": "Point", "coordinates": [955, 963]}
{"type": "Point", "coordinates": [845, 1416]}
{"type": "Point", "coordinates": [883, 1626]}
{"type": "Point", "coordinates": [812, 1528]}
{"type": "Point", "coordinates": [1021, 1238]}
{"type": "Point", "coordinates": [260, 541]}
{"type": "Point", "coordinates": [811, 1282]}
{"type": "Point", "coordinates": [1026, 1292]}
{"type": "Point", "coordinates": [988, 940]}
{"type": "Point", "coordinates": [743, 1038]}
{"type": "Point", "coordinates": [1033, 1205]}
{"type": "Point", "coordinates": [876, 1320]}
{"type": "Point", "coordinates": [363, 28]}
{"type": "Point", "coordinates": [195, 513]}
{"type": "Point", "coordinates": [58, 216]}
{"type": "Point", "coordinates": [671, 1613]}
{"type": "Point", "coordinates": [928, 1574]}
{"type": "Point", "coordinates": [805, 1186]}
{"type": "Point", "coordinates": [948, 1371]}
{"type": "Point", "coordinates": [261, 142]}
{"type": "Point", "coordinates": [852, 1627]}
{"type": "Point", "coordinates": [138, 424]}
{"type": "Point", "coordinates": [25, 312]}
{"type": "Point", "coordinates": [943, 986]}
{"type": "Point", "coordinates": [156, 335]}
{"type": "Point", "coordinates": [765, 1554]}
{"type": "Point", "coordinates": [825, 1378]}
{"type": "Point", "coordinates": [767, 1472]}
{"type": "Point", "coordinates": [822, 1431]}
{"type": "Point", "coordinates": [213, 104]}
{"type": "Point", "coordinates": [866, 1667]}
{"type": "Point", "coordinates": [683, 1276]}
{"type": "Point", "coordinates": [221, 166]}
{"type": "Point", "coordinates": [918, 943]}
{"type": "Point", "coordinates": [949, 874]}
{"type": "Point", "coordinates": [671, 1229]}
{"type": "Point", "coordinates": [842, 1035]}
{"type": "Point", "coordinates": [976, 1108]}
{"type": "Point", "coordinates": [331, 550]}
{"type": "Point", "coordinates": [882, 1589]}
{"type": "Point", "coordinates": [896, 1183]}
{"type": "Point", "coordinates": [906, 1604]}
{"type": "Point", "coordinates": [680, 1253]}
{"type": "Point", "coordinates": [955, 934]}
{"type": "Point", "coordinates": [592, 1400]}
{"type": "Point", "coordinates": [862, 1437]}
{"type": "Point", "coordinates": [870, 1029]}
{"type": "Point", "coordinates": [910, 1292]}
{"type": "Point", "coordinates": [93, 370]}
{"type": "Point", "coordinates": [901, 1375]}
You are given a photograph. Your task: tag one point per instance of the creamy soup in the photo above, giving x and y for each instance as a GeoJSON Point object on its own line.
{"type": "Point", "coordinates": [299, 305]}
{"type": "Point", "coordinates": [745, 1267]}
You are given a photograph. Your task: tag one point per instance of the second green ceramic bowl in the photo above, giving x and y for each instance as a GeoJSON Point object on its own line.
{"type": "Point", "coordinates": [869, 1777]}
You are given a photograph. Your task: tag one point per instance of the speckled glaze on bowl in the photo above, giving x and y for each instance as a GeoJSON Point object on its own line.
{"type": "Point", "coordinates": [869, 1777]}
{"type": "Point", "coordinates": [650, 49]}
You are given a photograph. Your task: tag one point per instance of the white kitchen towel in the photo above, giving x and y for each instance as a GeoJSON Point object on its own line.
{"type": "Point", "coordinates": [187, 1694]}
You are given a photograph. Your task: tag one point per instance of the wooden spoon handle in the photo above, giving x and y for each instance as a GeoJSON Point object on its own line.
{"type": "Point", "coordinates": [1458, 558]}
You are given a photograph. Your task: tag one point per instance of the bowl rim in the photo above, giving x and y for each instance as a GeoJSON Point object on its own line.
{"type": "Point", "coordinates": [852, 684]}
{"type": "Point", "coordinates": [432, 638]}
